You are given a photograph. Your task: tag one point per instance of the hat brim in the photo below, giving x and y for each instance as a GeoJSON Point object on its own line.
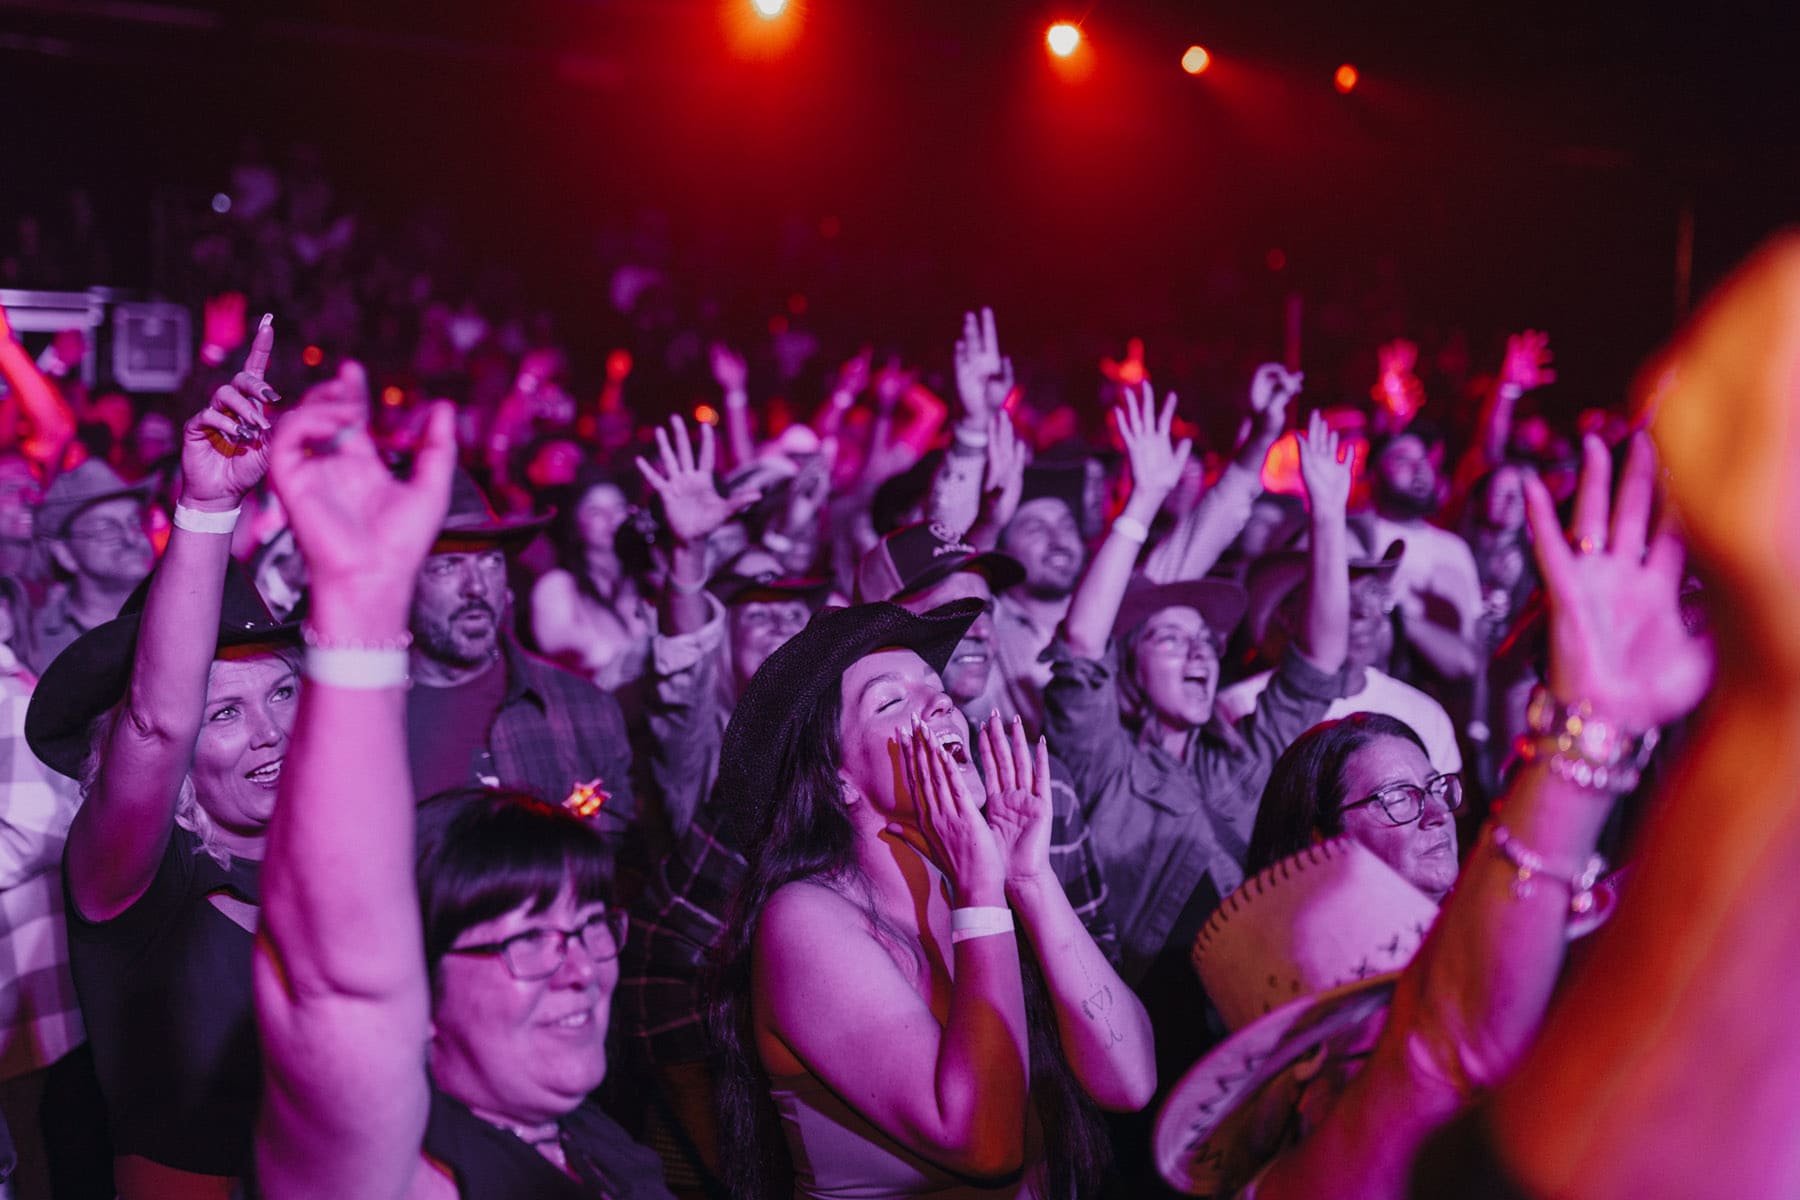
{"type": "Point", "coordinates": [1219, 604]}
{"type": "Point", "coordinates": [1276, 575]}
{"type": "Point", "coordinates": [780, 698]}
{"type": "Point", "coordinates": [1001, 571]}
{"type": "Point", "coordinates": [738, 589]}
{"type": "Point", "coordinates": [506, 531]}
{"type": "Point", "coordinates": [91, 675]}
{"type": "Point", "coordinates": [63, 513]}
{"type": "Point", "coordinates": [1201, 1127]}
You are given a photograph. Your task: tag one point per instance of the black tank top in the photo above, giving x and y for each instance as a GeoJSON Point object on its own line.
{"type": "Point", "coordinates": [492, 1164]}
{"type": "Point", "coordinates": [165, 993]}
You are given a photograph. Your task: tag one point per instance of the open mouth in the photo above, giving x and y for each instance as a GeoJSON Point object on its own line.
{"type": "Point", "coordinates": [575, 1020]}
{"type": "Point", "coordinates": [266, 774]}
{"type": "Point", "coordinates": [953, 746]}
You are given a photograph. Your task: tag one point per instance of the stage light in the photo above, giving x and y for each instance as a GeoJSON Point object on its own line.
{"type": "Point", "coordinates": [1275, 259]}
{"type": "Point", "coordinates": [393, 397]}
{"type": "Point", "coordinates": [768, 10]}
{"type": "Point", "coordinates": [1195, 60]}
{"type": "Point", "coordinates": [1345, 79]}
{"type": "Point", "coordinates": [1063, 38]}
{"type": "Point", "coordinates": [312, 356]}
{"type": "Point", "coordinates": [706, 414]}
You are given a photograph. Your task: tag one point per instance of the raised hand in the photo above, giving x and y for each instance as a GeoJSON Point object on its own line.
{"type": "Point", "coordinates": [957, 836]}
{"type": "Point", "coordinates": [363, 532]}
{"type": "Point", "coordinates": [728, 369]}
{"type": "Point", "coordinates": [1616, 634]}
{"type": "Point", "coordinates": [1324, 467]}
{"type": "Point", "coordinates": [1018, 797]}
{"type": "Point", "coordinates": [892, 383]}
{"type": "Point", "coordinates": [1003, 474]}
{"type": "Point", "coordinates": [852, 378]}
{"type": "Point", "coordinates": [1272, 388]}
{"type": "Point", "coordinates": [1527, 362]}
{"type": "Point", "coordinates": [691, 502]}
{"type": "Point", "coordinates": [984, 376]}
{"type": "Point", "coordinates": [1156, 460]}
{"type": "Point", "coordinates": [225, 446]}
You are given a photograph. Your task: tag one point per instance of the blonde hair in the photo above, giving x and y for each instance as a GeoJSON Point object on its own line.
{"type": "Point", "coordinates": [188, 813]}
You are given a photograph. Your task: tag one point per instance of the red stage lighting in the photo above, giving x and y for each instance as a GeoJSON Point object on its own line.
{"type": "Point", "coordinates": [706, 414]}
{"type": "Point", "coordinates": [1345, 79]}
{"type": "Point", "coordinates": [768, 10]}
{"type": "Point", "coordinates": [1195, 60]}
{"type": "Point", "coordinates": [1063, 38]}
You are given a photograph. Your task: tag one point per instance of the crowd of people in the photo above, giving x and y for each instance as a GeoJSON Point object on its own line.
{"type": "Point", "coordinates": [502, 798]}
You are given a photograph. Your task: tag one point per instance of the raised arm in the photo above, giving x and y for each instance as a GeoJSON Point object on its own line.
{"type": "Point", "coordinates": [124, 826]}
{"type": "Point", "coordinates": [1156, 463]}
{"type": "Point", "coordinates": [1467, 1009]}
{"type": "Point", "coordinates": [732, 376]}
{"type": "Point", "coordinates": [1200, 537]}
{"type": "Point", "coordinates": [1327, 479]}
{"type": "Point", "coordinates": [693, 509]}
{"type": "Point", "coordinates": [954, 1091]}
{"type": "Point", "coordinates": [50, 420]}
{"type": "Point", "coordinates": [1103, 1027]}
{"type": "Point", "coordinates": [984, 377]}
{"type": "Point", "coordinates": [343, 1004]}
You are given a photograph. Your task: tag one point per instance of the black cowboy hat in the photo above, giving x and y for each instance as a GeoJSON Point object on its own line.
{"type": "Point", "coordinates": [781, 696]}
{"type": "Point", "coordinates": [92, 672]}
{"type": "Point", "coordinates": [472, 519]}
{"type": "Point", "coordinates": [1273, 576]}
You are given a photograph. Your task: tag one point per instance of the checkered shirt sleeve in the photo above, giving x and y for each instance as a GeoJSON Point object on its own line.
{"type": "Point", "coordinates": [40, 1020]}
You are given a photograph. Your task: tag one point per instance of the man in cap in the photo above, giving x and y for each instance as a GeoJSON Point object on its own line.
{"type": "Point", "coordinates": [91, 524]}
{"type": "Point", "coordinates": [482, 711]}
{"type": "Point", "coordinates": [1277, 611]}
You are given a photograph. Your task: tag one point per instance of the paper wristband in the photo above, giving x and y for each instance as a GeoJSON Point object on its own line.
{"type": "Point", "coordinates": [362, 670]}
{"type": "Point", "coordinates": [195, 521]}
{"type": "Point", "coordinates": [1131, 529]}
{"type": "Point", "coordinates": [966, 923]}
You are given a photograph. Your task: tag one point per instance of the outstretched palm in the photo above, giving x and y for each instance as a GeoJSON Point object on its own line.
{"type": "Point", "coordinates": [691, 502]}
{"type": "Point", "coordinates": [1616, 635]}
{"type": "Point", "coordinates": [1018, 797]}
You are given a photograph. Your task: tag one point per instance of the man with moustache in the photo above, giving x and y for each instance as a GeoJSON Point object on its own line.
{"type": "Point", "coordinates": [482, 711]}
{"type": "Point", "coordinates": [91, 524]}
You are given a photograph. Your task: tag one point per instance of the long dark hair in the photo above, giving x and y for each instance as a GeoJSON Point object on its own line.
{"type": "Point", "coordinates": [808, 835]}
{"type": "Point", "coordinates": [1300, 803]}
{"type": "Point", "coordinates": [483, 853]}
{"type": "Point", "coordinates": [564, 533]}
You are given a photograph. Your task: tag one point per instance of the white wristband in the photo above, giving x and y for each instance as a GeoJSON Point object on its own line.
{"type": "Point", "coordinates": [737, 399]}
{"type": "Point", "coordinates": [1131, 529]}
{"type": "Point", "coordinates": [361, 670]}
{"type": "Point", "coordinates": [974, 922]}
{"type": "Point", "coordinates": [974, 439]}
{"type": "Point", "coordinates": [195, 521]}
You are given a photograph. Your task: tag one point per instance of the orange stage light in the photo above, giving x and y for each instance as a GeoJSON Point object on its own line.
{"type": "Point", "coordinates": [768, 10]}
{"type": "Point", "coordinates": [312, 356]}
{"type": "Point", "coordinates": [1063, 38]}
{"type": "Point", "coordinates": [1345, 79]}
{"type": "Point", "coordinates": [1195, 60]}
{"type": "Point", "coordinates": [706, 414]}
{"type": "Point", "coordinates": [393, 397]}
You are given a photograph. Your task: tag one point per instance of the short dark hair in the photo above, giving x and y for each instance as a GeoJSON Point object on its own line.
{"type": "Point", "coordinates": [1300, 803]}
{"type": "Point", "coordinates": [483, 853]}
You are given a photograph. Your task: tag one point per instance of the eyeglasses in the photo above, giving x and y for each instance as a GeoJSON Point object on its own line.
{"type": "Point", "coordinates": [1404, 803]}
{"type": "Point", "coordinates": [540, 953]}
{"type": "Point", "coordinates": [1179, 644]}
{"type": "Point", "coordinates": [108, 535]}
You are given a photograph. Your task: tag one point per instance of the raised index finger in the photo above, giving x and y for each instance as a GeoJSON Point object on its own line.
{"type": "Point", "coordinates": [261, 346]}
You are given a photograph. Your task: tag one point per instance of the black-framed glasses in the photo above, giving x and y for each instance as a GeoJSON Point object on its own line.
{"type": "Point", "coordinates": [1404, 803]}
{"type": "Point", "coordinates": [539, 953]}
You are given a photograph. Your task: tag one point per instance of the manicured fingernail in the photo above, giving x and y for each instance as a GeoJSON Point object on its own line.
{"type": "Point", "coordinates": [268, 319]}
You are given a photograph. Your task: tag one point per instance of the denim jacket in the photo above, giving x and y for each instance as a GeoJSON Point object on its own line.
{"type": "Point", "coordinates": [1161, 825]}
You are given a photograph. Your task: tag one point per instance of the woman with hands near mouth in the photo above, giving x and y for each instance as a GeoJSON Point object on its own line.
{"type": "Point", "coordinates": [882, 1021]}
{"type": "Point", "coordinates": [175, 716]}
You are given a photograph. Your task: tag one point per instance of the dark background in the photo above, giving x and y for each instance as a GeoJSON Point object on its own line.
{"type": "Point", "coordinates": [1498, 167]}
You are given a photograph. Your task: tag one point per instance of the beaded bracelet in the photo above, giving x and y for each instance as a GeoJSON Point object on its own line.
{"type": "Point", "coordinates": [1584, 750]}
{"type": "Point", "coordinates": [1528, 866]}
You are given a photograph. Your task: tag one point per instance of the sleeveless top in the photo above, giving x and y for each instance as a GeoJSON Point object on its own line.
{"type": "Point", "coordinates": [165, 990]}
{"type": "Point", "coordinates": [839, 1155]}
{"type": "Point", "coordinates": [491, 1164]}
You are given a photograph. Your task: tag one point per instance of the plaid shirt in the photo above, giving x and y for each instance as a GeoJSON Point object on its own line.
{"type": "Point", "coordinates": [40, 1020]}
{"type": "Point", "coordinates": [555, 730]}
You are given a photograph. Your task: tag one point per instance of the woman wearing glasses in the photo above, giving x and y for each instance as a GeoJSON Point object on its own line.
{"type": "Point", "coordinates": [1366, 776]}
{"type": "Point", "coordinates": [463, 1067]}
